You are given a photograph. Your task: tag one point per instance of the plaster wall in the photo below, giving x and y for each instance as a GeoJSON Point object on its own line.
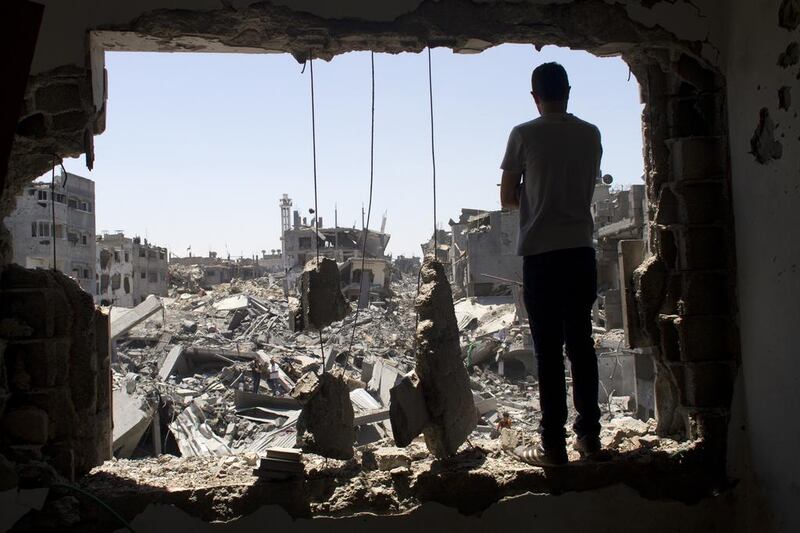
{"type": "Point", "coordinates": [765, 202]}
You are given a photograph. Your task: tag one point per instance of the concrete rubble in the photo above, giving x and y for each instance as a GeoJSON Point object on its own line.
{"type": "Point", "coordinates": [325, 424]}
{"type": "Point", "coordinates": [184, 384]}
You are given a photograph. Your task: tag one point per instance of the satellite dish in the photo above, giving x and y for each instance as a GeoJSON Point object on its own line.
{"type": "Point", "coordinates": [607, 179]}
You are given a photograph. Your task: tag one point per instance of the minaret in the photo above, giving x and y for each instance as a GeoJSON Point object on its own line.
{"type": "Point", "coordinates": [286, 205]}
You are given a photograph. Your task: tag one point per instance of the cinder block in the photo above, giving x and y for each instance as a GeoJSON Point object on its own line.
{"type": "Point", "coordinates": [705, 338]}
{"type": "Point", "coordinates": [696, 158]}
{"type": "Point", "coordinates": [708, 385]}
{"type": "Point", "coordinates": [45, 361]}
{"type": "Point", "coordinates": [702, 249]}
{"type": "Point", "coordinates": [26, 425]}
{"type": "Point", "coordinates": [704, 293]}
{"type": "Point", "coordinates": [702, 203]}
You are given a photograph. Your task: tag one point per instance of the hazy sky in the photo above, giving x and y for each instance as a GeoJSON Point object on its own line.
{"type": "Point", "coordinates": [199, 147]}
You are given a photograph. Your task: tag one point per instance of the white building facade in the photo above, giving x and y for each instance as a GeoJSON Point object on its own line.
{"type": "Point", "coordinates": [56, 221]}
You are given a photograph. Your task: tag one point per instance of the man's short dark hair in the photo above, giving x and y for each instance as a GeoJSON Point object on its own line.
{"type": "Point", "coordinates": [550, 83]}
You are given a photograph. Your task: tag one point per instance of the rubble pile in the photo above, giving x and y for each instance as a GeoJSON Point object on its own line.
{"type": "Point", "coordinates": [189, 375]}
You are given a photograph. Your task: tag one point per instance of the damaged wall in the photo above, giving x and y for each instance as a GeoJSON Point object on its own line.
{"type": "Point", "coordinates": [673, 48]}
{"type": "Point", "coordinates": [56, 363]}
{"type": "Point", "coordinates": [762, 59]}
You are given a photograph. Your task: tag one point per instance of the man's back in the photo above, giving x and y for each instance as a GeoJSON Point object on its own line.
{"type": "Point", "coordinates": [559, 156]}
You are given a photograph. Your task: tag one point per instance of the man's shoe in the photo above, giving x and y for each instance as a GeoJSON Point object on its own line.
{"type": "Point", "coordinates": [587, 447]}
{"type": "Point", "coordinates": [540, 456]}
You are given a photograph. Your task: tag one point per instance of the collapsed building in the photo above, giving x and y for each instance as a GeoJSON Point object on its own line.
{"type": "Point", "coordinates": [714, 297]}
{"type": "Point", "coordinates": [205, 272]}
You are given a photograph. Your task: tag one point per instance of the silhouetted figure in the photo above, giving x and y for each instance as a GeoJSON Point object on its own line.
{"type": "Point", "coordinates": [550, 168]}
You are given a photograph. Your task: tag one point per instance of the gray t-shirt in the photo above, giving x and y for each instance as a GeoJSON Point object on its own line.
{"type": "Point", "coordinates": [559, 158]}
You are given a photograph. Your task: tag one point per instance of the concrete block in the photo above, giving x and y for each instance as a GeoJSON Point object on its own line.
{"type": "Point", "coordinates": [391, 458]}
{"type": "Point", "coordinates": [708, 384]}
{"type": "Point", "coordinates": [702, 248]}
{"type": "Point", "coordinates": [58, 97]}
{"type": "Point", "coordinates": [321, 298]}
{"type": "Point", "coordinates": [704, 293]}
{"type": "Point", "coordinates": [27, 425]}
{"type": "Point", "coordinates": [441, 371]}
{"type": "Point", "coordinates": [702, 203]}
{"type": "Point", "coordinates": [325, 424]}
{"type": "Point", "coordinates": [696, 158]}
{"type": "Point", "coordinates": [408, 413]}
{"type": "Point", "coordinates": [705, 338]}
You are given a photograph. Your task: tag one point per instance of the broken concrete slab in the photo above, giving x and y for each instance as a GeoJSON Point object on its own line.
{"type": "Point", "coordinates": [231, 303]}
{"type": "Point", "coordinates": [132, 416]}
{"type": "Point", "coordinates": [441, 371]}
{"type": "Point", "coordinates": [325, 425]}
{"type": "Point", "coordinates": [321, 298]}
{"type": "Point", "coordinates": [122, 322]}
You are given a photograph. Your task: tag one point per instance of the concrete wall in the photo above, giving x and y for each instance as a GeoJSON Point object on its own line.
{"type": "Point", "coordinates": [150, 270]}
{"type": "Point", "coordinates": [766, 202]}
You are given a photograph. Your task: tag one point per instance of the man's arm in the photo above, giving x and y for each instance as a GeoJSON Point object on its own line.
{"type": "Point", "coordinates": [509, 189]}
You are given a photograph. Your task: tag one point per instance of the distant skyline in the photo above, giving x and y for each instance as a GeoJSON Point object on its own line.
{"type": "Point", "coordinates": [199, 148]}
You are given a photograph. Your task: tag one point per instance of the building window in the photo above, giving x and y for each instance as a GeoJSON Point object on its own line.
{"type": "Point", "coordinates": [59, 231]}
{"type": "Point", "coordinates": [41, 229]}
{"type": "Point", "coordinates": [127, 257]}
{"type": "Point", "coordinates": [61, 198]}
{"type": "Point", "coordinates": [151, 254]}
{"type": "Point", "coordinates": [72, 203]}
{"type": "Point", "coordinates": [161, 255]}
{"type": "Point", "coordinates": [116, 256]}
{"type": "Point", "coordinates": [86, 273]}
{"type": "Point", "coordinates": [84, 239]}
{"type": "Point", "coordinates": [144, 275]}
{"type": "Point", "coordinates": [153, 278]}
{"type": "Point", "coordinates": [142, 252]}
{"type": "Point", "coordinates": [304, 243]}
{"type": "Point", "coordinates": [72, 237]}
{"type": "Point", "coordinates": [85, 206]}
{"type": "Point", "coordinates": [42, 195]}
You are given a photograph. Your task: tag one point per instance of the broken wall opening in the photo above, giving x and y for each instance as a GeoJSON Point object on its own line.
{"type": "Point", "coordinates": [684, 127]}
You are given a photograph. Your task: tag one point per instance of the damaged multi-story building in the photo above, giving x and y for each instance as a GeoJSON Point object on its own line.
{"type": "Point", "coordinates": [713, 300]}
{"type": "Point", "coordinates": [56, 222]}
{"type": "Point", "coordinates": [303, 239]}
{"type": "Point", "coordinates": [129, 269]}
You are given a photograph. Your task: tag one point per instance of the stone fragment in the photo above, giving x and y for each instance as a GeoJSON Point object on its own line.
{"type": "Point", "coordinates": [441, 371]}
{"type": "Point", "coordinates": [391, 458]}
{"type": "Point", "coordinates": [26, 424]}
{"type": "Point", "coordinates": [321, 298]}
{"type": "Point", "coordinates": [325, 424]}
{"type": "Point", "coordinates": [189, 326]}
{"type": "Point", "coordinates": [408, 413]}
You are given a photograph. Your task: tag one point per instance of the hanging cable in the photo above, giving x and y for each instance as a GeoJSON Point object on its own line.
{"type": "Point", "coordinates": [433, 154]}
{"type": "Point", "coordinates": [433, 164]}
{"type": "Point", "coordinates": [365, 229]}
{"type": "Point", "coordinates": [316, 206]}
{"type": "Point", "coordinates": [314, 155]}
{"type": "Point", "coordinates": [53, 212]}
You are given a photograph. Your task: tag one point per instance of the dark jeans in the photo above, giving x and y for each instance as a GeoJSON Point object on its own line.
{"type": "Point", "coordinates": [256, 381]}
{"type": "Point", "coordinates": [560, 288]}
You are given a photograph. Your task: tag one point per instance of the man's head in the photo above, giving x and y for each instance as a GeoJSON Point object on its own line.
{"type": "Point", "coordinates": [506, 415]}
{"type": "Point", "coordinates": [550, 88]}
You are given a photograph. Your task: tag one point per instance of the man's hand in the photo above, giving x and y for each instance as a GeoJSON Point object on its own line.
{"type": "Point", "coordinates": [510, 190]}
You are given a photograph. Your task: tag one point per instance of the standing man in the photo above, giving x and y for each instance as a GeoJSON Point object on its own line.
{"type": "Point", "coordinates": [549, 173]}
{"type": "Point", "coordinates": [274, 377]}
{"type": "Point", "coordinates": [255, 369]}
